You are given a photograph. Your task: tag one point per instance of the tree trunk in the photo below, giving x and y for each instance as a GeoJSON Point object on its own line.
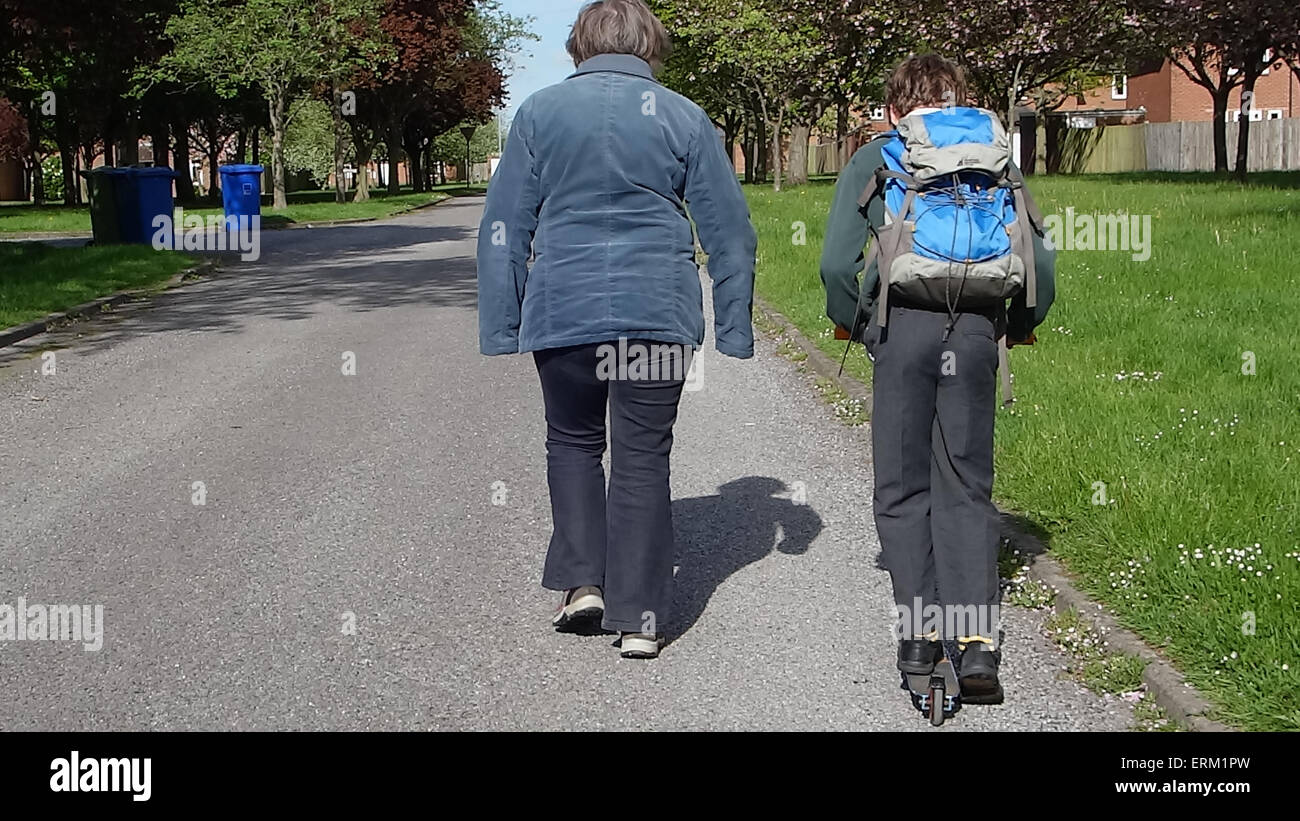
{"type": "Point", "coordinates": [364, 153]}
{"type": "Point", "coordinates": [241, 147]}
{"type": "Point", "coordinates": [184, 182]}
{"type": "Point", "coordinates": [279, 121]}
{"type": "Point", "coordinates": [257, 145]}
{"type": "Point", "coordinates": [393, 141]}
{"type": "Point", "coordinates": [38, 179]}
{"type": "Point", "coordinates": [365, 150]}
{"type": "Point", "coordinates": [799, 136]}
{"type": "Point", "coordinates": [777, 126]}
{"type": "Point", "coordinates": [774, 152]}
{"type": "Point", "coordinates": [340, 147]}
{"type": "Point", "coordinates": [1055, 129]}
{"type": "Point", "coordinates": [1243, 124]}
{"type": "Point", "coordinates": [1029, 146]}
{"type": "Point", "coordinates": [415, 165]}
{"type": "Point", "coordinates": [34, 159]}
{"type": "Point", "coordinates": [129, 150]}
{"type": "Point", "coordinates": [842, 135]}
{"type": "Point", "coordinates": [731, 128]}
{"type": "Point", "coordinates": [68, 161]}
{"type": "Point", "coordinates": [83, 193]}
{"type": "Point", "coordinates": [761, 153]}
{"type": "Point", "coordinates": [214, 160]}
{"type": "Point", "coordinates": [1221, 129]}
{"type": "Point", "coordinates": [65, 138]}
{"type": "Point", "coordinates": [1013, 95]}
{"type": "Point", "coordinates": [87, 162]}
{"type": "Point", "coordinates": [747, 148]}
{"type": "Point", "coordinates": [160, 134]}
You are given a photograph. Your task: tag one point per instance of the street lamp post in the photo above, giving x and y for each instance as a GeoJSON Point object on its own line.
{"type": "Point", "coordinates": [468, 133]}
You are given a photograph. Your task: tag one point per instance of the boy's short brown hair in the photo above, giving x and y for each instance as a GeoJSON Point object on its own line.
{"type": "Point", "coordinates": [924, 80]}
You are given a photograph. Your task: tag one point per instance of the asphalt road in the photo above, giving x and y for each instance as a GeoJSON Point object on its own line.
{"type": "Point", "coordinates": [369, 497]}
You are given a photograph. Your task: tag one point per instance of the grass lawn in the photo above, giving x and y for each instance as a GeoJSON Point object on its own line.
{"type": "Point", "coordinates": [40, 280]}
{"type": "Point", "coordinates": [1136, 388]}
{"type": "Point", "coordinates": [304, 207]}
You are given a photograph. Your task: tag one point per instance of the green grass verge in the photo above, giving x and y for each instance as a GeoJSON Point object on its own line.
{"type": "Point", "coordinates": [304, 207]}
{"type": "Point", "coordinates": [1137, 389]}
{"type": "Point", "coordinates": [39, 280]}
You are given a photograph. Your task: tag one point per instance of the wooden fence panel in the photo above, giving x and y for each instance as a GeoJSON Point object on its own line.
{"type": "Point", "coordinates": [1188, 146]}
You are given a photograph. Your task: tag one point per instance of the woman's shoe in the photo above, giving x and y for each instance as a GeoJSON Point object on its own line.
{"type": "Point", "coordinates": [582, 608]}
{"type": "Point", "coordinates": [639, 646]}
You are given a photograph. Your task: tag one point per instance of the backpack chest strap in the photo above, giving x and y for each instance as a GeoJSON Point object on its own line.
{"type": "Point", "coordinates": [877, 183]}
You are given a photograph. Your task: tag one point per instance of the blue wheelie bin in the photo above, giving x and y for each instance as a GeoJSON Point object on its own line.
{"type": "Point", "coordinates": [241, 191]}
{"type": "Point", "coordinates": [143, 195]}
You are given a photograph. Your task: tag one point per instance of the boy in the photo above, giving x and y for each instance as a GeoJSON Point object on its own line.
{"type": "Point", "coordinates": [935, 363]}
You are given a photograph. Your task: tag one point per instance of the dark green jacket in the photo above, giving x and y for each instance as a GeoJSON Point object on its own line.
{"type": "Point", "coordinates": [844, 254]}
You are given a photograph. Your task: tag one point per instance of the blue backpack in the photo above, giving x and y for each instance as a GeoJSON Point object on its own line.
{"type": "Point", "coordinates": [958, 216]}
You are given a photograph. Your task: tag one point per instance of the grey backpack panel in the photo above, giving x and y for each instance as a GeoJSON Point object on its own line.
{"type": "Point", "coordinates": [926, 161]}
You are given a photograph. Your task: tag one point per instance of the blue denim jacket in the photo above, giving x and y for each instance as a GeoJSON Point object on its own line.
{"type": "Point", "coordinates": [594, 183]}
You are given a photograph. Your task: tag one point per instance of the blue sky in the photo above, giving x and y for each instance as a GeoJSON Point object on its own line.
{"type": "Point", "coordinates": [542, 63]}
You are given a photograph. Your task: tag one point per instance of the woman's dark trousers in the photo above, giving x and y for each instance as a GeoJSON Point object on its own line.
{"type": "Point", "coordinates": [620, 539]}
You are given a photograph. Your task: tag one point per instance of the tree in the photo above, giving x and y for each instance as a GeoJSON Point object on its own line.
{"type": "Point", "coordinates": [68, 65]}
{"type": "Point", "coordinates": [1222, 45]}
{"type": "Point", "coordinates": [1010, 48]}
{"type": "Point", "coordinates": [13, 132]}
{"type": "Point", "coordinates": [862, 40]}
{"type": "Point", "coordinates": [278, 46]}
{"type": "Point", "coordinates": [717, 92]}
{"type": "Point", "coordinates": [769, 47]}
{"type": "Point", "coordinates": [447, 66]}
{"type": "Point", "coordinates": [449, 148]}
{"type": "Point", "coordinates": [354, 42]}
{"type": "Point", "coordinates": [309, 143]}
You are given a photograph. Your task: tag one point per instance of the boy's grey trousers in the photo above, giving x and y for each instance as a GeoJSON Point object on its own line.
{"type": "Point", "coordinates": [932, 439]}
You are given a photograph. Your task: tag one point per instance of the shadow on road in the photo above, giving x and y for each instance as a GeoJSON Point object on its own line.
{"type": "Point", "coordinates": [721, 534]}
{"type": "Point", "coordinates": [361, 268]}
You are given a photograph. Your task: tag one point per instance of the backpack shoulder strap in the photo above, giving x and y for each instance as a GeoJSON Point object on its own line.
{"type": "Point", "coordinates": [1016, 181]}
{"type": "Point", "coordinates": [1004, 372]}
{"type": "Point", "coordinates": [1027, 210]}
{"type": "Point", "coordinates": [876, 184]}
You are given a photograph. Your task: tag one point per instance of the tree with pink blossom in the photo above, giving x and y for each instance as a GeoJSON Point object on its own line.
{"type": "Point", "coordinates": [1011, 48]}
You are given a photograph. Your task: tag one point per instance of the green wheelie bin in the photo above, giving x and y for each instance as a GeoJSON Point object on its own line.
{"type": "Point", "coordinates": [101, 183]}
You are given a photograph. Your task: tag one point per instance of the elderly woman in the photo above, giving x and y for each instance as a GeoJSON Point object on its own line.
{"type": "Point", "coordinates": [594, 187]}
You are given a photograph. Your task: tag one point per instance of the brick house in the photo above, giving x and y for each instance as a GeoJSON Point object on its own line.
{"type": "Point", "coordinates": [1168, 96]}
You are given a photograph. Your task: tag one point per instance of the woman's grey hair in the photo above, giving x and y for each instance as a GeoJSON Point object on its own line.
{"type": "Point", "coordinates": [619, 27]}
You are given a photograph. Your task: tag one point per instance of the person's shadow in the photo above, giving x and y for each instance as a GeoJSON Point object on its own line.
{"type": "Point", "coordinates": [718, 535]}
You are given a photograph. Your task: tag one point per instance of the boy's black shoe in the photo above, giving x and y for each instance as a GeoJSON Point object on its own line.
{"type": "Point", "coordinates": [919, 656]}
{"type": "Point", "coordinates": [978, 675]}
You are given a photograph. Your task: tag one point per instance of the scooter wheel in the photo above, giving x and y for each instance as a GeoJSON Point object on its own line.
{"type": "Point", "coordinates": [937, 702]}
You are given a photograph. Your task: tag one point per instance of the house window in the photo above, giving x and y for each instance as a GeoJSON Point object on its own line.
{"type": "Point", "coordinates": [878, 113]}
{"type": "Point", "coordinates": [1119, 87]}
{"type": "Point", "coordinates": [1275, 113]}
